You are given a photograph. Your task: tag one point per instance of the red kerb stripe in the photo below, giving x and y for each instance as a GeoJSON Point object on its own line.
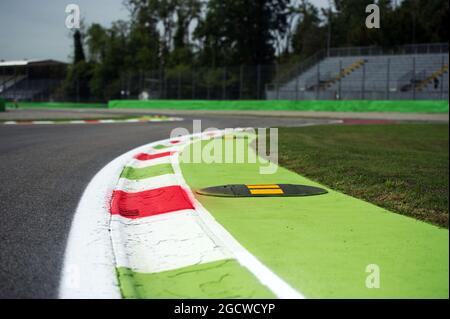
{"type": "Point", "coordinates": [146, 157]}
{"type": "Point", "coordinates": [148, 203]}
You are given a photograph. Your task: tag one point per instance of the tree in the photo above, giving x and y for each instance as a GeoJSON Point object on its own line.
{"type": "Point", "coordinates": [309, 36]}
{"type": "Point", "coordinates": [105, 82]}
{"type": "Point", "coordinates": [422, 21]}
{"type": "Point", "coordinates": [242, 32]}
{"type": "Point", "coordinates": [76, 84]}
{"type": "Point", "coordinates": [349, 28]}
{"type": "Point", "coordinates": [97, 39]}
{"type": "Point", "coordinates": [179, 36]}
{"type": "Point", "coordinates": [78, 47]}
{"type": "Point", "coordinates": [187, 11]}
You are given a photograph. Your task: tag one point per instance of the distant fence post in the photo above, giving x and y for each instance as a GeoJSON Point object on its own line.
{"type": "Point", "coordinates": [128, 85]}
{"type": "Point", "coordinates": [179, 85]}
{"type": "Point", "coordinates": [296, 88]}
{"type": "Point", "coordinates": [442, 77]}
{"type": "Point", "coordinates": [340, 79]}
{"type": "Point", "coordinates": [258, 82]}
{"type": "Point", "coordinates": [160, 83]}
{"type": "Point", "coordinates": [224, 83]}
{"type": "Point", "coordinates": [31, 87]}
{"type": "Point", "coordinates": [78, 90]}
{"type": "Point", "coordinates": [388, 79]}
{"type": "Point", "coordinates": [318, 81]}
{"type": "Point", "coordinates": [15, 82]}
{"type": "Point", "coordinates": [241, 80]}
{"type": "Point", "coordinates": [193, 83]}
{"type": "Point", "coordinates": [208, 93]}
{"type": "Point", "coordinates": [414, 77]}
{"type": "Point", "coordinates": [363, 82]}
{"type": "Point", "coordinates": [140, 81]}
{"type": "Point", "coordinates": [165, 84]}
{"type": "Point", "coordinates": [28, 82]}
{"type": "Point", "coordinates": [277, 83]}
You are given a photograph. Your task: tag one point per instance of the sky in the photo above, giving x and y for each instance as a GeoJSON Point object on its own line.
{"type": "Point", "coordinates": [31, 29]}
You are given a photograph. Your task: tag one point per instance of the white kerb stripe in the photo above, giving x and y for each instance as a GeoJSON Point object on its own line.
{"type": "Point", "coordinates": [164, 242]}
{"type": "Point", "coordinates": [140, 185]}
{"type": "Point", "coordinates": [142, 164]}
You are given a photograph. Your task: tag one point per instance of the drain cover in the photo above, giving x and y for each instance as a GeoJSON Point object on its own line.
{"type": "Point", "coordinates": [261, 190]}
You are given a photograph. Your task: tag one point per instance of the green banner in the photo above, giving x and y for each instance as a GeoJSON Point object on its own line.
{"type": "Point", "coordinates": [403, 106]}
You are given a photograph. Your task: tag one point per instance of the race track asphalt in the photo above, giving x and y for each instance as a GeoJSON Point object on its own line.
{"type": "Point", "coordinates": [44, 170]}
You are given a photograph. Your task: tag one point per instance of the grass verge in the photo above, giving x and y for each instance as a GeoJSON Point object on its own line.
{"type": "Point", "coordinates": [402, 167]}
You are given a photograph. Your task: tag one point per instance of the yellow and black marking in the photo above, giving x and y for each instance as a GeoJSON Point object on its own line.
{"type": "Point", "coordinates": [267, 189]}
{"type": "Point", "coordinates": [261, 190]}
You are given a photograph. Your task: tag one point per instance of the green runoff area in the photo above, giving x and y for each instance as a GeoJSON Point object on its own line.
{"type": "Point", "coordinates": [402, 106]}
{"type": "Point", "coordinates": [320, 245]}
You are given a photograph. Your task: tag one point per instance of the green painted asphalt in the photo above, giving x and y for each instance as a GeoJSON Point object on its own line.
{"type": "Point", "coordinates": [322, 245]}
{"type": "Point", "coordinates": [220, 279]}
{"type": "Point", "coordinates": [402, 106]}
{"type": "Point", "coordinates": [146, 172]}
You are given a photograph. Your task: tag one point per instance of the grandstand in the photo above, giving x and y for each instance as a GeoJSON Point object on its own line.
{"type": "Point", "coordinates": [30, 79]}
{"type": "Point", "coordinates": [419, 72]}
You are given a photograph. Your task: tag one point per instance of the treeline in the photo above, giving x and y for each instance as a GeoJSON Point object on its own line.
{"type": "Point", "coordinates": [178, 36]}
